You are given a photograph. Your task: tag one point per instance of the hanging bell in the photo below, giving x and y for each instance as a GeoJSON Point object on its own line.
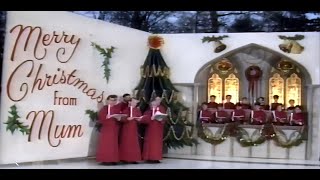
{"type": "Point", "coordinates": [291, 46]}
{"type": "Point", "coordinates": [296, 48]}
{"type": "Point", "coordinates": [286, 46]}
{"type": "Point", "coordinates": [219, 47]}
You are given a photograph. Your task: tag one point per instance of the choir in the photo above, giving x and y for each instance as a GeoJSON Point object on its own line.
{"type": "Point", "coordinates": [119, 138]}
{"type": "Point", "coordinates": [258, 114]}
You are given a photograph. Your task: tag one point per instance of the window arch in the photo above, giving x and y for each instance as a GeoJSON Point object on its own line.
{"type": "Point", "coordinates": [285, 81]}
{"type": "Point", "coordinates": [293, 89]}
{"type": "Point", "coordinates": [232, 87]}
{"type": "Point", "coordinates": [223, 80]}
{"type": "Point", "coordinates": [215, 87]}
{"type": "Point", "coordinates": [276, 87]}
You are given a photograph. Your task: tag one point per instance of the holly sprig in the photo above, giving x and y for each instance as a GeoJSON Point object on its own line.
{"type": "Point", "coordinates": [14, 124]}
{"type": "Point", "coordinates": [107, 54]}
{"type": "Point", "coordinates": [93, 115]}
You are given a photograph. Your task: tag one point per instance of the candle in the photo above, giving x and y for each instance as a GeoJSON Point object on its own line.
{"type": "Point", "coordinates": [232, 116]}
{"type": "Point", "coordinates": [200, 114]}
{"type": "Point", "coordinates": [291, 116]}
{"type": "Point", "coordinates": [109, 109]}
{"type": "Point", "coordinates": [153, 111]}
{"type": "Point", "coordinates": [251, 116]}
{"type": "Point", "coordinates": [130, 111]}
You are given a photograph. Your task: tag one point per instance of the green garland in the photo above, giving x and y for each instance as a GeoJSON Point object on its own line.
{"type": "Point", "coordinates": [14, 124]}
{"type": "Point", "coordinates": [246, 141]}
{"type": "Point", "coordinates": [107, 54]}
{"type": "Point", "coordinates": [294, 38]}
{"type": "Point", "coordinates": [259, 136]}
{"type": "Point", "coordinates": [178, 123]}
{"type": "Point", "coordinates": [295, 138]}
{"type": "Point", "coordinates": [213, 38]}
{"type": "Point", "coordinates": [206, 135]}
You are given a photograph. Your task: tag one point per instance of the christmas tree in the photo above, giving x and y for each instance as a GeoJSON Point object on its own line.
{"type": "Point", "coordinates": [155, 82]}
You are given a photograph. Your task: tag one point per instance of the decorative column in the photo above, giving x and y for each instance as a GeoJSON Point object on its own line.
{"type": "Point", "coordinates": [195, 113]}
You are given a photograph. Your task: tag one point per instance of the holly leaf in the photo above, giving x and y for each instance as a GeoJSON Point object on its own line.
{"type": "Point", "coordinates": [93, 115]}
{"type": "Point", "coordinates": [13, 108]}
{"type": "Point", "coordinates": [11, 128]}
{"type": "Point", "coordinates": [107, 54]}
{"type": "Point", "coordinates": [13, 122]}
{"type": "Point", "coordinates": [110, 51]}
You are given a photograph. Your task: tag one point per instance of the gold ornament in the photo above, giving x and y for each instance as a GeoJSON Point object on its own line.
{"type": "Point", "coordinates": [155, 42]}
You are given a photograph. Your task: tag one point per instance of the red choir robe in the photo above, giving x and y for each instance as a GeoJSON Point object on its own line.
{"type": "Point", "coordinates": [274, 106]}
{"type": "Point", "coordinates": [238, 115]}
{"type": "Point", "coordinates": [123, 105]}
{"type": "Point", "coordinates": [213, 105]}
{"type": "Point", "coordinates": [297, 119]}
{"type": "Point", "coordinates": [280, 117]}
{"type": "Point", "coordinates": [265, 107]}
{"type": "Point", "coordinates": [153, 138]}
{"type": "Point", "coordinates": [244, 106]}
{"type": "Point", "coordinates": [107, 150]}
{"type": "Point", "coordinates": [291, 108]}
{"type": "Point", "coordinates": [205, 116]}
{"type": "Point", "coordinates": [229, 105]}
{"type": "Point", "coordinates": [258, 117]}
{"type": "Point", "coordinates": [221, 116]}
{"type": "Point", "coordinates": [129, 148]}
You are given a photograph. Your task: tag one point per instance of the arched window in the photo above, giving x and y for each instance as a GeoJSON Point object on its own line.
{"type": "Point", "coordinates": [285, 81]}
{"type": "Point", "coordinates": [276, 87]}
{"type": "Point", "coordinates": [293, 89]}
{"type": "Point", "coordinates": [223, 81]}
{"type": "Point", "coordinates": [232, 87]}
{"type": "Point", "coordinates": [215, 87]}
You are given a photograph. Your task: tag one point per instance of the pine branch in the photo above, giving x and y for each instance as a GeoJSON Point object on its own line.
{"type": "Point", "coordinates": [107, 54]}
{"type": "Point", "coordinates": [213, 38]}
{"type": "Point", "coordinates": [295, 37]}
{"type": "Point", "coordinates": [14, 124]}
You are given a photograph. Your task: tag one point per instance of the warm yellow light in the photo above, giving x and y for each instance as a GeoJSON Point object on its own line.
{"type": "Point", "coordinates": [215, 87]}
{"type": "Point", "coordinates": [232, 87]}
{"type": "Point", "coordinates": [276, 87]}
{"type": "Point", "coordinates": [293, 89]}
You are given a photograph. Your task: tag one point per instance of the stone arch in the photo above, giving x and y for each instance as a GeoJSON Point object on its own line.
{"type": "Point", "coordinates": [308, 90]}
{"type": "Point", "coordinates": [269, 59]}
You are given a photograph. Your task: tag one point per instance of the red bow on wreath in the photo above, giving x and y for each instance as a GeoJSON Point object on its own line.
{"type": "Point", "coordinates": [253, 74]}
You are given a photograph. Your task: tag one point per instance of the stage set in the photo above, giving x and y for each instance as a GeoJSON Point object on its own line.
{"type": "Point", "coordinates": [59, 68]}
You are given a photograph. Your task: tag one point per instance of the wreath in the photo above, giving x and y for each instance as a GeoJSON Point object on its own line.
{"type": "Point", "coordinates": [253, 74]}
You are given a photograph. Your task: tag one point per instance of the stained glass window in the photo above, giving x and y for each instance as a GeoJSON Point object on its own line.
{"type": "Point", "coordinates": [232, 87]}
{"type": "Point", "coordinates": [215, 87]}
{"type": "Point", "coordinates": [276, 87]}
{"type": "Point", "coordinates": [293, 89]}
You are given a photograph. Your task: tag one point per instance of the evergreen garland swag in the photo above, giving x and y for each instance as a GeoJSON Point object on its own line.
{"type": "Point", "coordinates": [259, 136]}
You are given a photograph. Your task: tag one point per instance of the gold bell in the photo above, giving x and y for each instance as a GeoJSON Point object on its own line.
{"type": "Point", "coordinates": [296, 48]}
{"type": "Point", "coordinates": [291, 46]}
{"type": "Point", "coordinates": [286, 46]}
{"type": "Point", "coordinates": [219, 47]}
